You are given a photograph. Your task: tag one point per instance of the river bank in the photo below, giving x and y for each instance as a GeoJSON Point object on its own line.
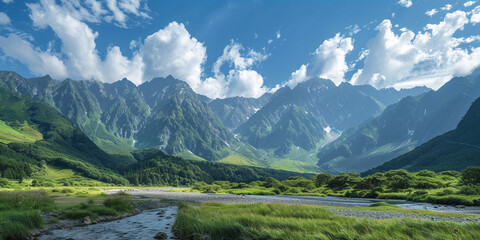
{"type": "Point", "coordinates": [156, 211]}
{"type": "Point", "coordinates": [291, 199]}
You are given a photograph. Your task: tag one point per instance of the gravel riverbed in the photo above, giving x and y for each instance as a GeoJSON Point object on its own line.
{"type": "Point", "coordinates": [388, 215]}
{"type": "Point", "coordinates": [312, 200]}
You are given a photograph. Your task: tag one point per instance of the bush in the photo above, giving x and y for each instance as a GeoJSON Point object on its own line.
{"type": "Point", "coordinates": [471, 175]}
{"type": "Point", "coordinates": [428, 184]}
{"type": "Point", "coordinates": [470, 190]}
{"type": "Point", "coordinates": [399, 179]}
{"type": "Point", "coordinates": [343, 180]}
{"type": "Point", "coordinates": [68, 190]}
{"type": "Point", "coordinates": [426, 173]}
{"type": "Point", "coordinates": [121, 204]}
{"type": "Point", "coordinates": [419, 193]}
{"type": "Point", "coordinates": [4, 182]}
{"type": "Point", "coordinates": [447, 191]}
{"type": "Point", "coordinates": [322, 179]}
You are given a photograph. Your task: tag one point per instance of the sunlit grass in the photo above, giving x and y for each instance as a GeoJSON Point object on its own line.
{"type": "Point", "coordinates": [279, 221]}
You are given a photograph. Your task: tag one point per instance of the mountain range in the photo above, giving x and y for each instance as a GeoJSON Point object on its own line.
{"type": "Point", "coordinates": [306, 115]}
{"type": "Point", "coordinates": [38, 142]}
{"type": "Point", "coordinates": [313, 127]}
{"type": "Point", "coordinates": [166, 113]}
{"type": "Point", "coordinates": [454, 150]}
{"type": "Point", "coordinates": [401, 127]}
{"type": "Point", "coordinates": [163, 113]}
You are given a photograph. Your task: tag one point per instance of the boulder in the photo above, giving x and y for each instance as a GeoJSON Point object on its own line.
{"type": "Point", "coordinates": [86, 220]}
{"type": "Point", "coordinates": [161, 235]}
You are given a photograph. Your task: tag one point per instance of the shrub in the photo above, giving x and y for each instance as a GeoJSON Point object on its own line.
{"type": "Point", "coordinates": [470, 190]}
{"type": "Point", "coordinates": [4, 182]}
{"type": "Point", "coordinates": [428, 184]}
{"type": "Point", "coordinates": [322, 179]}
{"type": "Point", "coordinates": [343, 180]}
{"type": "Point", "coordinates": [68, 190]}
{"type": "Point", "coordinates": [271, 182]}
{"type": "Point", "coordinates": [294, 190]}
{"type": "Point", "coordinates": [471, 175]}
{"type": "Point", "coordinates": [447, 191]}
{"type": "Point", "coordinates": [426, 173]}
{"type": "Point", "coordinates": [121, 204]}
{"type": "Point", "coordinates": [419, 193]}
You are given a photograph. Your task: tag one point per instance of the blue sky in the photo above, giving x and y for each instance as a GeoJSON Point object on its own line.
{"type": "Point", "coordinates": [243, 48]}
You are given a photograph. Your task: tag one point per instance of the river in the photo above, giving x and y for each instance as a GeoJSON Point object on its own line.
{"type": "Point", "coordinates": [148, 223]}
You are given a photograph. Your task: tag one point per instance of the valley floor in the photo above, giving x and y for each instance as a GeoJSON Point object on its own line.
{"type": "Point", "coordinates": [221, 216]}
{"type": "Point", "coordinates": [356, 205]}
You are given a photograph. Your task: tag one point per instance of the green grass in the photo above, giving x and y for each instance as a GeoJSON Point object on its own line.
{"type": "Point", "coordinates": [279, 221]}
{"type": "Point", "coordinates": [24, 133]}
{"type": "Point", "coordinates": [294, 165]}
{"type": "Point", "coordinates": [239, 160]}
{"type": "Point", "coordinates": [63, 177]}
{"type": "Point", "coordinates": [111, 206]}
{"type": "Point", "coordinates": [188, 156]}
{"type": "Point", "coordinates": [20, 212]}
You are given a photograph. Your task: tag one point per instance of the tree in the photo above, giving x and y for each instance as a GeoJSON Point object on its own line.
{"type": "Point", "coordinates": [343, 180]}
{"type": "Point", "coordinates": [471, 175]}
{"type": "Point", "coordinates": [271, 182]}
{"type": "Point", "coordinates": [322, 179]}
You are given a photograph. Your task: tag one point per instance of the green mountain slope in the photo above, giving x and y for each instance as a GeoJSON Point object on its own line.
{"type": "Point", "coordinates": [454, 150]}
{"type": "Point", "coordinates": [53, 140]}
{"type": "Point", "coordinates": [157, 168]}
{"type": "Point", "coordinates": [401, 127]}
{"type": "Point", "coordinates": [181, 121]}
{"type": "Point", "coordinates": [163, 113]}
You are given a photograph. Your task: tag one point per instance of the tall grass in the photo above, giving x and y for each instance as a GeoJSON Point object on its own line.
{"type": "Point", "coordinates": [20, 212]}
{"type": "Point", "coordinates": [278, 221]}
{"type": "Point", "coordinates": [112, 206]}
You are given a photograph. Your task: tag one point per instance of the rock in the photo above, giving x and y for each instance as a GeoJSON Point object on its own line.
{"type": "Point", "coordinates": [460, 206]}
{"type": "Point", "coordinates": [306, 191]}
{"type": "Point", "coordinates": [86, 220]}
{"type": "Point", "coordinates": [161, 235]}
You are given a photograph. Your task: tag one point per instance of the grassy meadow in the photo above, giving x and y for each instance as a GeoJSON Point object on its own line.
{"type": "Point", "coordinates": [279, 221]}
{"type": "Point", "coordinates": [21, 210]}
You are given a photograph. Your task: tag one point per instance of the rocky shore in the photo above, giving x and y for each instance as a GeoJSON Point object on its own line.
{"type": "Point", "coordinates": [140, 206]}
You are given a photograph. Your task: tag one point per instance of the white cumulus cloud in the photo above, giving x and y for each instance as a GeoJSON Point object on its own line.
{"type": "Point", "coordinates": [431, 12]}
{"type": "Point", "coordinates": [328, 61]}
{"type": "Point", "coordinates": [241, 79]}
{"type": "Point", "coordinates": [7, 1]}
{"type": "Point", "coordinates": [447, 7]}
{"type": "Point", "coordinates": [173, 51]}
{"type": "Point", "coordinates": [475, 18]}
{"type": "Point", "coordinates": [298, 76]}
{"type": "Point", "coordinates": [427, 58]}
{"type": "Point", "coordinates": [405, 3]}
{"type": "Point", "coordinates": [4, 19]}
{"type": "Point", "coordinates": [469, 3]}
{"type": "Point", "coordinates": [39, 62]}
